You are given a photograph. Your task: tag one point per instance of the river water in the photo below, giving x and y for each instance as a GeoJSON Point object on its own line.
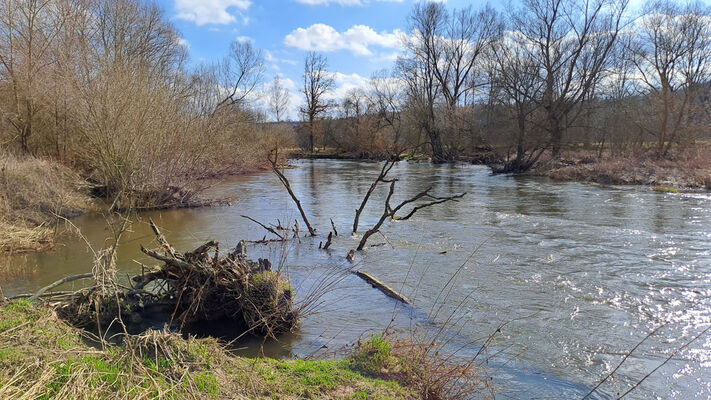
{"type": "Point", "coordinates": [578, 274]}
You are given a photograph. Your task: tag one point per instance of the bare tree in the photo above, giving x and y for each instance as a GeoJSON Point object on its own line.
{"type": "Point", "coordinates": [278, 99]}
{"type": "Point", "coordinates": [441, 65]}
{"type": "Point", "coordinates": [27, 35]}
{"type": "Point", "coordinates": [516, 79]}
{"type": "Point", "coordinates": [317, 83]}
{"type": "Point", "coordinates": [672, 53]}
{"type": "Point", "coordinates": [417, 68]}
{"type": "Point", "coordinates": [388, 97]}
{"type": "Point", "coordinates": [571, 41]}
{"type": "Point", "coordinates": [241, 72]}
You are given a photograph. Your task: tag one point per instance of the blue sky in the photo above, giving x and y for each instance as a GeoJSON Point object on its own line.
{"type": "Point", "coordinates": [358, 37]}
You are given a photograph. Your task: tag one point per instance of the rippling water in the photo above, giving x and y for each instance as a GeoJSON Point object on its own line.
{"type": "Point", "coordinates": [579, 274]}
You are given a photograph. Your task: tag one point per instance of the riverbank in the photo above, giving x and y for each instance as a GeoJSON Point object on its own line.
{"type": "Point", "coordinates": [37, 193]}
{"type": "Point", "coordinates": [34, 195]}
{"type": "Point", "coordinates": [688, 169]}
{"type": "Point", "coordinates": [681, 170]}
{"type": "Point", "coordinates": [43, 357]}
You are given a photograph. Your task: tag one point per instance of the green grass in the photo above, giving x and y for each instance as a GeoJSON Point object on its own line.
{"type": "Point", "coordinates": [661, 189]}
{"type": "Point", "coordinates": [46, 357]}
{"type": "Point", "coordinates": [373, 355]}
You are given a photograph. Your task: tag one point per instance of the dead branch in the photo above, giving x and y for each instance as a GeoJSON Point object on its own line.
{"type": "Point", "coordinates": [386, 214]}
{"type": "Point", "coordinates": [381, 178]}
{"type": "Point", "coordinates": [328, 242]}
{"type": "Point", "coordinates": [167, 248]}
{"type": "Point", "coordinates": [62, 281]}
{"type": "Point", "coordinates": [391, 212]}
{"type": "Point", "coordinates": [287, 185]}
{"type": "Point", "coordinates": [264, 226]}
{"type": "Point", "coordinates": [172, 261]}
{"type": "Point", "coordinates": [335, 231]}
{"type": "Point", "coordinates": [436, 200]}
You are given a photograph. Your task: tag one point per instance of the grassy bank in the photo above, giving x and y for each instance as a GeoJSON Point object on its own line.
{"type": "Point", "coordinates": [33, 193]}
{"type": "Point", "coordinates": [42, 357]}
{"type": "Point", "coordinates": [682, 169]}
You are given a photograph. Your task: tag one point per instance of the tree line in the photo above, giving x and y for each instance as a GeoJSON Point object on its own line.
{"type": "Point", "coordinates": [544, 76]}
{"type": "Point", "coordinates": [105, 86]}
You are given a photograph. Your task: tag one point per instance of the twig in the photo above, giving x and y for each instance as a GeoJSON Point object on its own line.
{"type": "Point", "coordinates": [264, 226]}
{"type": "Point", "coordinates": [627, 355]}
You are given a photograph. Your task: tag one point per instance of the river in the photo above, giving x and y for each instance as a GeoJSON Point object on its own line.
{"type": "Point", "coordinates": [578, 273]}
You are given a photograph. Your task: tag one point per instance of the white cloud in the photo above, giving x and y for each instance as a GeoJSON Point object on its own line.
{"type": "Point", "coordinates": [183, 42]}
{"type": "Point", "coordinates": [344, 83]}
{"type": "Point", "coordinates": [358, 39]}
{"type": "Point", "coordinates": [203, 12]}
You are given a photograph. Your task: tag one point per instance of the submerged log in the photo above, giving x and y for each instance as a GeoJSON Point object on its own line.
{"type": "Point", "coordinates": [380, 285]}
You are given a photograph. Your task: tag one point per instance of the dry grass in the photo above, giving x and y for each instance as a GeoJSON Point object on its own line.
{"type": "Point", "coordinates": [42, 357]}
{"type": "Point", "coordinates": [423, 365]}
{"type": "Point", "coordinates": [687, 168]}
{"type": "Point", "coordinates": [32, 193]}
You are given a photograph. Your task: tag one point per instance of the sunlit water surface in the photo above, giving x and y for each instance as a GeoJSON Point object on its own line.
{"type": "Point", "coordinates": [579, 274]}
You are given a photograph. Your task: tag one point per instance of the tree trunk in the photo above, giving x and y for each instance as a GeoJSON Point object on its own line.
{"type": "Point", "coordinates": [438, 155]}
{"type": "Point", "coordinates": [311, 133]}
{"type": "Point", "coordinates": [556, 136]}
{"type": "Point", "coordinates": [665, 119]}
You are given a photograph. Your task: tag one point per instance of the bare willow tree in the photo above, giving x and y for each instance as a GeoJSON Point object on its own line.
{"type": "Point", "coordinates": [240, 73]}
{"type": "Point", "coordinates": [278, 99]}
{"type": "Point", "coordinates": [442, 65]}
{"type": "Point", "coordinates": [388, 97]}
{"type": "Point", "coordinates": [517, 82]}
{"type": "Point", "coordinates": [671, 51]}
{"type": "Point", "coordinates": [317, 83]}
{"type": "Point", "coordinates": [417, 68]}
{"type": "Point", "coordinates": [571, 41]}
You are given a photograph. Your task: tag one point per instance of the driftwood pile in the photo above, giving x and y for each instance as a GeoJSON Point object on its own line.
{"type": "Point", "coordinates": [196, 286]}
{"type": "Point", "coordinates": [205, 287]}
